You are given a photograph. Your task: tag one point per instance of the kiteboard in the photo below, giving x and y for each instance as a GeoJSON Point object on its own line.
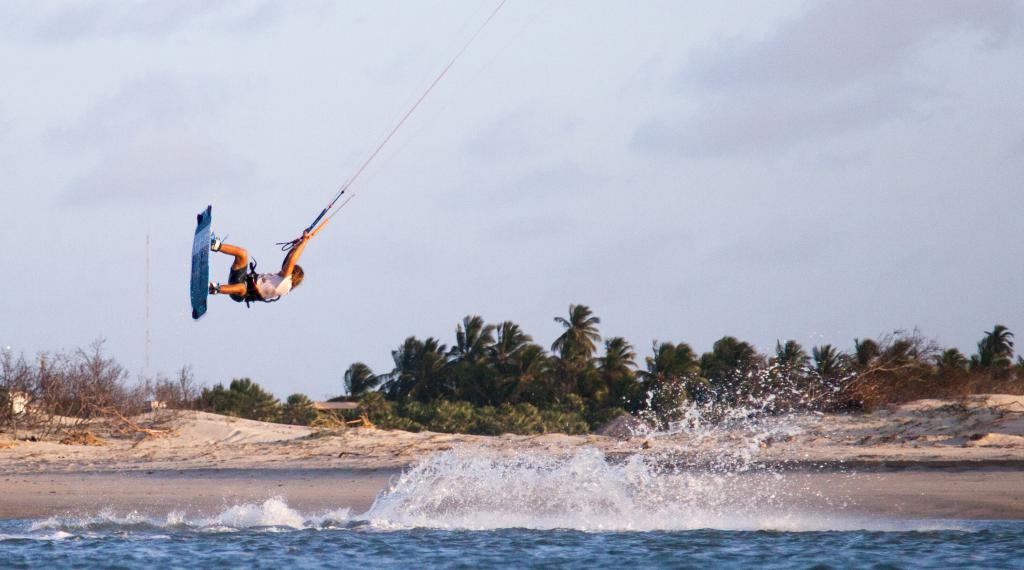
{"type": "Point", "coordinates": [200, 286]}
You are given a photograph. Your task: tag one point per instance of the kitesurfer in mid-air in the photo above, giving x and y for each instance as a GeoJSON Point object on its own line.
{"type": "Point", "coordinates": [244, 284]}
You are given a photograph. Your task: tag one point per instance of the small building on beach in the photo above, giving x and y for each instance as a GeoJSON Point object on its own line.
{"type": "Point", "coordinates": [335, 406]}
{"type": "Point", "coordinates": [19, 402]}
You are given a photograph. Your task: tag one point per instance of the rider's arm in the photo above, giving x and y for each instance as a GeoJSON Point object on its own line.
{"type": "Point", "coordinates": [293, 256]}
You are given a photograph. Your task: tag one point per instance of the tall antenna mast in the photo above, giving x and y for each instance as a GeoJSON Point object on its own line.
{"type": "Point", "coordinates": [145, 365]}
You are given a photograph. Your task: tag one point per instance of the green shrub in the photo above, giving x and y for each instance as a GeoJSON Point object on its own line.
{"type": "Point", "coordinates": [298, 410]}
{"type": "Point", "coordinates": [382, 413]}
{"type": "Point", "coordinates": [556, 421]}
{"type": "Point", "coordinates": [243, 398]}
{"type": "Point", "coordinates": [399, 422]}
{"type": "Point", "coordinates": [462, 417]}
{"type": "Point", "coordinates": [487, 421]}
{"type": "Point", "coordinates": [520, 419]}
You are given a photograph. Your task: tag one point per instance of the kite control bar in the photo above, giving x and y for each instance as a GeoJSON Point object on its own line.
{"type": "Point", "coordinates": [313, 228]}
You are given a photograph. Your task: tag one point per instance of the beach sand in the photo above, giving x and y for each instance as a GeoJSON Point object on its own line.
{"type": "Point", "coordinates": [941, 493]}
{"type": "Point", "coordinates": [199, 491]}
{"type": "Point", "coordinates": [926, 459]}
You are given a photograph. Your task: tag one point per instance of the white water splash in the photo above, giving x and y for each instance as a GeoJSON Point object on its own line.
{"type": "Point", "coordinates": [463, 490]}
{"type": "Point", "coordinates": [36, 535]}
{"type": "Point", "coordinates": [702, 473]}
{"type": "Point", "coordinates": [723, 438]}
{"type": "Point", "coordinates": [468, 489]}
{"type": "Point", "coordinates": [273, 513]}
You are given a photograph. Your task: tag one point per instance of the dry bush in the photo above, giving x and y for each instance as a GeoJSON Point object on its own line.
{"type": "Point", "coordinates": [68, 390]}
{"type": "Point", "coordinates": [16, 377]}
{"type": "Point", "coordinates": [327, 424]}
{"type": "Point", "coordinates": [969, 383]}
{"type": "Point", "coordinates": [82, 438]}
{"type": "Point", "coordinates": [180, 393]}
{"type": "Point", "coordinates": [905, 370]}
{"type": "Point", "coordinates": [83, 383]}
{"type": "Point", "coordinates": [898, 373]}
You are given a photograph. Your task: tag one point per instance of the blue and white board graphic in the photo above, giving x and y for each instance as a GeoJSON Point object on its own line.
{"type": "Point", "coordinates": [201, 263]}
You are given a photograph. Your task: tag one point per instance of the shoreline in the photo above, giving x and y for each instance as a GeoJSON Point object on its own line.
{"type": "Point", "coordinates": [200, 491]}
{"type": "Point", "coordinates": [929, 493]}
{"type": "Point", "coordinates": [925, 459]}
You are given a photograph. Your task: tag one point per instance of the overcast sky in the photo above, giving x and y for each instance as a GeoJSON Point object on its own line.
{"type": "Point", "coordinates": [810, 170]}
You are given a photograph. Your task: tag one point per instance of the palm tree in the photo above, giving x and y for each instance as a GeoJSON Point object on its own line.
{"type": "Point", "coordinates": [471, 375]}
{"type": "Point", "coordinates": [616, 368]}
{"type": "Point", "coordinates": [510, 340]}
{"type": "Point", "coordinates": [995, 350]}
{"type": "Point", "coordinates": [670, 361]}
{"type": "Point", "coordinates": [359, 379]}
{"type": "Point", "coordinates": [473, 339]}
{"type": "Point", "coordinates": [785, 384]}
{"type": "Point", "coordinates": [1000, 340]}
{"type": "Point", "coordinates": [828, 361]}
{"type": "Point", "coordinates": [619, 357]}
{"type": "Point", "coordinates": [790, 355]}
{"type": "Point", "coordinates": [419, 372]}
{"type": "Point", "coordinates": [574, 371]}
{"type": "Point", "coordinates": [730, 367]}
{"type": "Point", "coordinates": [864, 353]}
{"type": "Point", "coordinates": [578, 342]}
{"type": "Point", "coordinates": [900, 352]}
{"type": "Point", "coordinates": [670, 377]}
{"type": "Point", "coordinates": [527, 371]}
{"type": "Point", "coordinates": [951, 361]}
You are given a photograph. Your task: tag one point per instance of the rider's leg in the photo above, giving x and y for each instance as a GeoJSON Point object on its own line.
{"type": "Point", "coordinates": [241, 256]}
{"type": "Point", "coordinates": [236, 280]}
{"type": "Point", "coordinates": [230, 289]}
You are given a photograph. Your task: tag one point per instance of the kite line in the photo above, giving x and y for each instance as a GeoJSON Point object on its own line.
{"type": "Point", "coordinates": [322, 219]}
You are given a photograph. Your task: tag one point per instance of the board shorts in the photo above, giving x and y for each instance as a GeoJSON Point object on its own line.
{"type": "Point", "coordinates": [239, 276]}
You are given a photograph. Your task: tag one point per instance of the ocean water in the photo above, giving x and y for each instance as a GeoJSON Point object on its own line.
{"type": "Point", "coordinates": [712, 506]}
{"type": "Point", "coordinates": [108, 541]}
{"type": "Point", "coordinates": [471, 509]}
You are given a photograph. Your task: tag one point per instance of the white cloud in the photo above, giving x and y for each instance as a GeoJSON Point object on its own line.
{"type": "Point", "coordinates": [152, 140]}
{"type": "Point", "coordinates": [840, 42]}
{"type": "Point", "coordinates": [67, 22]}
{"type": "Point", "coordinates": [840, 67]}
{"type": "Point", "coordinates": [770, 120]}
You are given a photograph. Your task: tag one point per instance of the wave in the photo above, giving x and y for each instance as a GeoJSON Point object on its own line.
{"type": "Point", "coordinates": [272, 514]}
{"type": "Point", "coordinates": [467, 489]}
{"type": "Point", "coordinates": [719, 485]}
{"type": "Point", "coordinates": [471, 490]}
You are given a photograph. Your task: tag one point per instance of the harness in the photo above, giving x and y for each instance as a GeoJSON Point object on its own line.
{"type": "Point", "coordinates": [252, 294]}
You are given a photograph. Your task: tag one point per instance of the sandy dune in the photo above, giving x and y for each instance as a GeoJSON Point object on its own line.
{"type": "Point", "coordinates": [929, 458]}
{"type": "Point", "coordinates": [978, 429]}
{"type": "Point", "coordinates": [981, 429]}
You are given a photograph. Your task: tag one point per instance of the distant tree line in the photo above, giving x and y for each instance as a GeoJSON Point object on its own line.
{"type": "Point", "coordinates": [495, 378]}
